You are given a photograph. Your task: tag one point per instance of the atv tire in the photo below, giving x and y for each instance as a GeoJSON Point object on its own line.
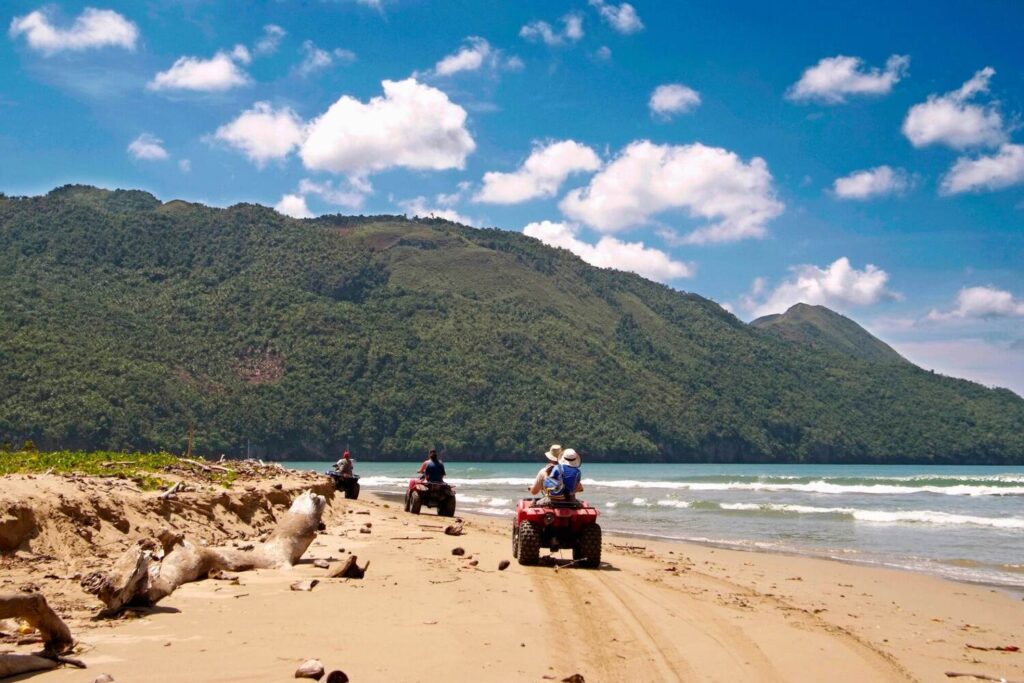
{"type": "Point", "coordinates": [447, 508]}
{"type": "Point", "coordinates": [352, 492]}
{"type": "Point", "coordinates": [515, 541]}
{"type": "Point", "coordinates": [407, 502]}
{"type": "Point", "coordinates": [529, 544]}
{"type": "Point", "coordinates": [415, 502]}
{"type": "Point", "coordinates": [587, 551]}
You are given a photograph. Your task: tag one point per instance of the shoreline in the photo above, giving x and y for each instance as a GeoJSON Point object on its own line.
{"type": "Point", "coordinates": [1012, 590]}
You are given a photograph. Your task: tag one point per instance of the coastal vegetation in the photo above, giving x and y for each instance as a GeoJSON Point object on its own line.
{"type": "Point", "coordinates": [130, 324]}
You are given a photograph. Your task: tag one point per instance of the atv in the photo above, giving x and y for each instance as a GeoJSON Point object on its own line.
{"type": "Point", "coordinates": [556, 525]}
{"type": "Point", "coordinates": [350, 484]}
{"type": "Point", "coordinates": [434, 495]}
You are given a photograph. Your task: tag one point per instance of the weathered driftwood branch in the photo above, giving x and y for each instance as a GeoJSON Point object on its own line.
{"type": "Point", "coordinates": [33, 609]}
{"type": "Point", "coordinates": [139, 577]}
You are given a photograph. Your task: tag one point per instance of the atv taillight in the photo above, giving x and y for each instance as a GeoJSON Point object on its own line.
{"type": "Point", "coordinates": [549, 518]}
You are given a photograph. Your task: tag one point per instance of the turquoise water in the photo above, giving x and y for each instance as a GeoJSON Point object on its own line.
{"type": "Point", "coordinates": [965, 523]}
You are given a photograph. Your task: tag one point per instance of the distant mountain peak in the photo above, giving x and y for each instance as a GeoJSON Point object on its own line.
{"type": "Point", "coordinates": [823, 328]}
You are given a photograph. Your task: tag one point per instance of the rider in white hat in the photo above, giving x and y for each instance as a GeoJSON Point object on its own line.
{"type": "Point", "coordinates": [552, 454]}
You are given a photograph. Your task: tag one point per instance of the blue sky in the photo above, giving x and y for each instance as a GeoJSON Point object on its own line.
{"type": "Point", "coordinates": [865, 156]}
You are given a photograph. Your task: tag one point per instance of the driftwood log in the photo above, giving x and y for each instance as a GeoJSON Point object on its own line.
{"type": "Point", "coordinates": [144, 577]}
{"type": "Point", "coordinates": [33, 609]}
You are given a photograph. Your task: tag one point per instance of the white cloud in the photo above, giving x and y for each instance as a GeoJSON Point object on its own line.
{"type": "Point", "coordinates": [839, 286]}
{"type": "Point", "coordinates": [974, 303]}
{"type": "Point", "coordinates": [263, 133]}
{"type": "Point", "coordinates": [293, 205]}
{"type": "Point", "coordinates": [185, 166]}
{"type": "Point", "coordinates": [220, 72]}
{"type": "Point", "coordinates": [419, 207]}
{"type": "Point", "coordinates": [603, 54]}
{"type": "Point", "coordinates": [470, 57]}
{"type": "Point", "coordinates": [673, 98]}
{"type": "Point", "coordinates": [833, 79]}
{"type": "Point", "coordinates": [572, 31]}
{"type": "Point", "coordinates": [315, 58]}
{"type": "Point", "coordinates": [710, 183]}
{"type": "Point", "coordinates": [623, 17]}
{"type": "Point", "coordinates": [610, 252]}
{"type": "Point", "coordinates": [350, 196]}
{"type": "Point", "coordinates": [411, 126]}
{"type": "Point", "coordinates": [1002, 169]}
{"type": "Point", "coordinates": [952, 119]}
{"type": "Point", "coordinates": [271, 40]}
{"type": "Point", "coordinates": [874, 182]}
{"type": "Point", "coordinates": [148, 147]}
{"type": "Point", "coordinates": [541, 174]}
{"type": "Point", "coordinates": [93, 28]}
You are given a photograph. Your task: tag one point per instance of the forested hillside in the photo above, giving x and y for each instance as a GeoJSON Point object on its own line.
{"type": "Point", "coordinates": [126, 321]}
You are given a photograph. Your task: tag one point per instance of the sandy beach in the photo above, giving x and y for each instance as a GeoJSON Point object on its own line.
{"type": "Point", "coordinates": [653, 612]}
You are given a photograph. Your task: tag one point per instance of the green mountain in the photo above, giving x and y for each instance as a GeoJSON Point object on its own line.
{"type": "Point", "coordinates": [822, 328]}
{"type": "Point", "coordinates": [126, 322]}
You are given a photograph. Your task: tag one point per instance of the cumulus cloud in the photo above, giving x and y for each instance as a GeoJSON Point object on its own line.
{"type": "Point", "coordinates": [271, 40]}
{"type": "Point", "coordinates": [833, 79]}
{"type": "Point", "coordinates": [709, 183]}
{"type": "Point", "coordinates": [184, 165]}
{"type": "Point", "coordinates": [542, 31]}
{"type": "Point", "coordinates": [622, 17]}
{"type": "Point", "coordinates": [263, 133]}
{"type": "Point", "coordinates": [92, 29]}
{"type": "Point", "coordinates": [350, 195]}
{"type": "Point", "coordinates": [874, 182]}
{"type": "Point", "coordinates": [973, 303]}
{"type": "Point", "coordinates": [148, 147]}
{"type": "Point", "coordinates": [541, 174]}
{"type": "Point", "coordinates": [470, 57]}
{"type": "Point", "coordinates": [314, 59]}
{"type": "Point", "coordinates": [673, 98]}
{"type": "Point", "coordinates": [995, 172]}
{"type": "Point", "coordinates": [839, 286]}
{"type": "Point", "coordinates": [420, 208]}
{"type": "Point", "coordinates": [293, 205]}
{"type": "Point", "coordinates": [220, 72]}
{"type": "Point", "coordinates": [953, 119]}
{"type": "Point", "coordinates": [411, 126]}
{"type": "Point", "coordinates": [610, 252]}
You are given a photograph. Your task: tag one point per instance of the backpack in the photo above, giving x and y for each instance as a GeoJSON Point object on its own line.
{"type": "Point", "coordinates": [562, 480]}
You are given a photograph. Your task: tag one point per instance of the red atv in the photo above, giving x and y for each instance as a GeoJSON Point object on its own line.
{"type": "Point", "coordinates": [556, 525]}
{"type": "Point", "coordinates": [434, 495]}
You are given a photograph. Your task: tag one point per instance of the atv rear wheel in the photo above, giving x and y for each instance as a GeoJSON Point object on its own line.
{"type": "Point", "coordinates": [352, 492]}
{"type": "Point", "coordinates": [415, 502]}
{"type": "Point", "coordinates": [529, 544]}
{"type": "Point", "coordinates": [447, 508]}
{"type": "Point", "coordinates": [587, 551]}
{"type": "Point", "coordinates": [406, 501]}
{"type": "Point", "coordinates": [515, 540]}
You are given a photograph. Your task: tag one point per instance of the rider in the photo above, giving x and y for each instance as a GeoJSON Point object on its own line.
{"type": "Point", "coordinates": [552, 455]}
{"type": "Point", "coordinates": [432, 469]}
{"type": "Point", "coordinates": [344, 466]}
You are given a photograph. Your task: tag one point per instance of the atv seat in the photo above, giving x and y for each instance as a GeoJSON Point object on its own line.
{"type": "Point", "coordinates": [564, 504]}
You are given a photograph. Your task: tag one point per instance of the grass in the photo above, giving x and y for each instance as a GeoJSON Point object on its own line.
{"type": "Point", "coordinates": [142, 468]}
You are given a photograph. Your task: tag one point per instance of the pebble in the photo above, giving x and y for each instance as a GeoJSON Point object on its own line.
{"type": "Point", "coordinates": [311, 668]}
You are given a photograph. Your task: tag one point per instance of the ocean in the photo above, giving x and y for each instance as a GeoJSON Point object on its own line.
{"type": "Point", "coordinates": [963, 523]}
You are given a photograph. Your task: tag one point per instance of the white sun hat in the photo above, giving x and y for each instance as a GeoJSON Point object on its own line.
{"type": "Point", "coordinates": [571, 458]}
{"type": "Point", "coordinates": [554, 452]}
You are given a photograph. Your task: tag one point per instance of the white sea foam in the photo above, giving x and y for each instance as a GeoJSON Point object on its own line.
{"type": "Point", "coordinates": [818, 486]}
{"type": "Point", "coordinates": [885, 516]}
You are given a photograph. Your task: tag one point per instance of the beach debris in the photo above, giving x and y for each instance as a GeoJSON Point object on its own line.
{"type": "Point", "coordinates": [306, 585]}
{"type": "Point", "coordinates": [33, 610]}
{"type": "Point", "coordinates": [980, 677]}
{"type": "Point", "coordinates": [575, 678]}
{"type": "Point", "coordinates": [458, 551]}
{"type": "Point", "coordinates": [364, 530]}
{"type": "Point", "coordinates": [321, 564]}
{"type": "Point", "coordinates": [349, 569]}
{"type": "Point", "coordinates": [362, 512]}
{"type": "Point", "coordinates": [221, 575]}
{"type": "Point", "coordinates": [337, 677]}
{"type": "Point", "coordinates": [103, 678]}
{"type": "Point", "coordinates": [997, 648]}
{"type": "Point", "coordinates": [171, 492]}
{"type": "Point", "coordinates": [473, 563]}
{"type": "Point", "coordinates": [454, 529]}
{"type": "Point", "coordinates": [140, 575]}
{"type": "Point", "coordinates": [503, 565]}
{"type": "Point", "coordinates": [311, 668]}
